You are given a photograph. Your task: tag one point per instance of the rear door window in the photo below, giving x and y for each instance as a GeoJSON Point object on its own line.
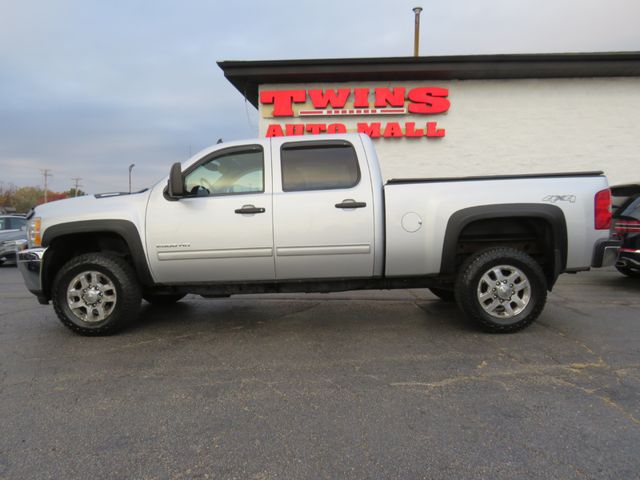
{"type": "Point", "coordinates": [313, 166]}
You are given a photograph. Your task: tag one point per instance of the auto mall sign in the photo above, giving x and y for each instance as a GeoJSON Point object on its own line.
{"type": "Point", "coordinates": [324, 111]}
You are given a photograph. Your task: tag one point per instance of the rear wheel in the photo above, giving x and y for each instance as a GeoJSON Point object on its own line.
{"type": "Point", "coordinates": [502, 289]}
{"type": "Point", "coordinates": [96, 294]}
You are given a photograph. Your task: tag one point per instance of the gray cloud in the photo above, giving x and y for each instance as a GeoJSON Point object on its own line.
{"type": "Point", "coordinates": [88, 87]}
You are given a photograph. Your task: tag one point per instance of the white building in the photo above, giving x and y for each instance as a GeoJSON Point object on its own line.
{"type": "Point", "coordinates": [462, 115]}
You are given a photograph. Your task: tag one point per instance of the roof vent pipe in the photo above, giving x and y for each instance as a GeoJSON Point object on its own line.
{"type": "Point", "coordinates": [416, 35]}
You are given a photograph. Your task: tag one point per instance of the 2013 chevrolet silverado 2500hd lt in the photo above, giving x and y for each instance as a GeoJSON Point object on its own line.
{"type": "Point", "coordinates": [311, 214]}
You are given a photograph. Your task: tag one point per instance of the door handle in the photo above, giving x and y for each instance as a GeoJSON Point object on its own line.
{"type": "Point", "coordinates": [249, 209]}
{"type": "Point", "coordinates": [351, 203]}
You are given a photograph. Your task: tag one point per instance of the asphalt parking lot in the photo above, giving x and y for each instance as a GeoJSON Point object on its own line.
{"type": "Point", "coordinates": [355, 385]}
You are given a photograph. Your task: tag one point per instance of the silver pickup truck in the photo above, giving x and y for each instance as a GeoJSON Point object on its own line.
{"type": "Point", "coordinates": [311, 214]}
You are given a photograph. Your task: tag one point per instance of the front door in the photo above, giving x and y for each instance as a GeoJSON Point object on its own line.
{"type": "Point", "coordinates": [222, 230]}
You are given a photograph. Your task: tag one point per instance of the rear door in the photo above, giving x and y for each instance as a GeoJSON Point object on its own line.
{"type": "Point", "coordinates": [323, 209]}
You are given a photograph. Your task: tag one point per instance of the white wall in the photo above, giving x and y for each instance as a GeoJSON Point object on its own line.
{"type": "Point", "coordinates": [510, 126]}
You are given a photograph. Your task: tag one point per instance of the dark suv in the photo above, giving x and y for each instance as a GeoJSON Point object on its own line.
{"type": "Point", "coordinates": [626, 227]}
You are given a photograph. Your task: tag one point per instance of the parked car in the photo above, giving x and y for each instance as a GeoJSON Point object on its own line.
{"type": "Point", "coordinates": [625, 226]}
{"type": "Point", "coordinates": [312, 214]}
{"type": "Point", "coordinates": [13, 230]}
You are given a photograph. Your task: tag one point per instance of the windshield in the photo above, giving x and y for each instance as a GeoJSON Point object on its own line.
{"type": "Point", "coordinates": [12, 223]}
{"type": "Point", "coordinates": [632, 210]}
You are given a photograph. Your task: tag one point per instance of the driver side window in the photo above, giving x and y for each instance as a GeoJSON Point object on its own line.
{"type": "Point", "coordinates": [235, 172]}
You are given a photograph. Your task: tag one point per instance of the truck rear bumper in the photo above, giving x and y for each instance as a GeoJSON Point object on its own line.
{"type": "Point", "coordinates": [605, 253]}
{"type": "Point", "coordinates": [30, 266]}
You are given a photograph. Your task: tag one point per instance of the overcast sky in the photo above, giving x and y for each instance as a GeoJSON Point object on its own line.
{"type": "Point", "coordinates": [89, 87]}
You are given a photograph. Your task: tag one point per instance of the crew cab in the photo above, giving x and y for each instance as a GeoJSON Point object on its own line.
{"type": "Point", "coordinates": [312, 214]}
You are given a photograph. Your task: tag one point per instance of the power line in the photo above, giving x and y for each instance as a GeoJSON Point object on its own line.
{"type": "Point", "coordinates": [76, 181]}
{"type": "Point", "coordinates": [46, 173]}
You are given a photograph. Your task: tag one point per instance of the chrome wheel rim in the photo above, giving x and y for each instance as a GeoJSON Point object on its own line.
{"type": "Point", "coordinates": [91, 296]}
{"type": "Point", "coordinates": [504, 291]}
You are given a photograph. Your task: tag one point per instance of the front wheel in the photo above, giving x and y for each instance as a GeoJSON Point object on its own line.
{"type": "Point", "coordinates": [96, 294]}
{"type": "Point", "coordinates": [503, 289]}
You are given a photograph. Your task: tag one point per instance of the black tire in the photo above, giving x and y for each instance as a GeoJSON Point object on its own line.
{"type": "Point", "coordinates": [444, 294]}
{"type": "Point", "coordinates": [472, 283]}
{"type": "Point", "coordinates": [109, 268]}
{"type": "Point", "coordinates": [629, 272]}
{"type": "Point", "coordinates": [163, 299]}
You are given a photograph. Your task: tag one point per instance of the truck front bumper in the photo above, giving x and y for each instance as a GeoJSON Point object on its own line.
{"type": "Point", "coordinates": [605, 253]}
{"type": "Point", "coordinates": [8, 249]}
{"type": "Point", "coordinates": [30, 262]}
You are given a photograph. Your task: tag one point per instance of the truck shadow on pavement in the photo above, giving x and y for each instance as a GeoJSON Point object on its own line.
{"type": "Point", "coordinates": [298, 316]}
{"type": "Point", "coordinates": [625, 283]}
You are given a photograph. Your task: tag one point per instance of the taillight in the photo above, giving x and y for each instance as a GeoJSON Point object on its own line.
{"type": "Point", "coordinates": [623, 225]}
{"type": "Point", "coordinates": [602, 213]}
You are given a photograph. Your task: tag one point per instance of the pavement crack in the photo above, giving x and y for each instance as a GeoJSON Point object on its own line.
{"type": "Point", "coordinates": [541, 370]}
{"type": "Point", "coordinates": [604, 398]}
{"type": "Point", "coordinates": [442, 383]}
{"type": "Point", "coordinates": [579, 367]}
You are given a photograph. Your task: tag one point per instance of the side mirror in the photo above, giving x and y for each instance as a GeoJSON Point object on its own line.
{"type": "Point", "coordinates": [176, 182]}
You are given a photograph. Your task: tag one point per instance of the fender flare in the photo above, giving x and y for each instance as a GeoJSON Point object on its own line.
{"type": "Point", "coordinates": [552, 214]}
{"type": "Point", "coordinates": [124, 228]}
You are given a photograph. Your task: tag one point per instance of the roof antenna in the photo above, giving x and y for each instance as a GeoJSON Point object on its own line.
{"type": "Point", "coordinates": [416, 34]}
{"type": "Point", "coordinates": [219, 141]}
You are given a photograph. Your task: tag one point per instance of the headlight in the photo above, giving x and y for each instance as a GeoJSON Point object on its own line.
{"type": "Point", "coordinates": [33, 232]}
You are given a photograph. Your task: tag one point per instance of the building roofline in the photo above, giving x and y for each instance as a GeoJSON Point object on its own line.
{"type": "Point", "coordinates": [246, 76]}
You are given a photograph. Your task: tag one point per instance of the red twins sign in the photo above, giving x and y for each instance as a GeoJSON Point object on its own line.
{"type": "Point", "coordinates": [383, 101]}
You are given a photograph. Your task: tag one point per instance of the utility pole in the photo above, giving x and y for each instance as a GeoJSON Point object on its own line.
{"type": "Point", "coordinates": [46, 173]}
{"type": "Point", "coordinates": [416, 33]}
{"type": "Point", "coordinates": [76, 181]}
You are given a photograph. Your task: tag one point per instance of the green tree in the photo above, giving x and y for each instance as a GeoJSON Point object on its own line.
{"type": "Point", "coordinates": [6, 195]}
{"type": "Point", "coordinates": [72, 193]}
{"type": "Point", "coordinates": [25, 198]}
